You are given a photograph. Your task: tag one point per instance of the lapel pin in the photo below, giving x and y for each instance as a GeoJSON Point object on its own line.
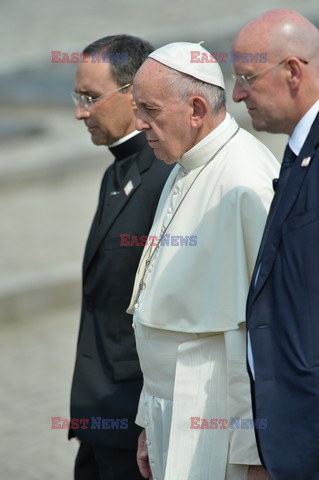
{"type": "Point", "coordinates": [305, 162]}
{"type": "Point", "coordinates": [128, 187]}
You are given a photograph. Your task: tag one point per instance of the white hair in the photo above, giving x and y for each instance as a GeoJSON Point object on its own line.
{"type": "Point", "coordinates": [186, 86]}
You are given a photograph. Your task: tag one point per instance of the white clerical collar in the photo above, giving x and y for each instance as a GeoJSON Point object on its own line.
{"type": "Point", "coordinates": [198, 155]}
{"type": "Point", "coordinates": [124, 139]}
{"type": "Point", "coordinates": [302, 129]}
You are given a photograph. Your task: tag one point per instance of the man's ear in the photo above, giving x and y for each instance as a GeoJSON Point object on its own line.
{"type": "Point", "coordinates": [131, 98]}
{"type": "Point", "coordinates": [199, 111]}
{"type": "Point", "coordinates": [295, 73]}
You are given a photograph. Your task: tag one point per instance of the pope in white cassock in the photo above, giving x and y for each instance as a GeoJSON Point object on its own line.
{"type": "Point", "coordinates": [189, 297]}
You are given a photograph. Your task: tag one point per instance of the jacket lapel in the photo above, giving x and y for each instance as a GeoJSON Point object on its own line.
{"type": "Point", "coordinates": [128, 187]}
{"type": "Point", "coordinates": [269, 246]}
{"type": "Point", "coordinates": [134, 177]}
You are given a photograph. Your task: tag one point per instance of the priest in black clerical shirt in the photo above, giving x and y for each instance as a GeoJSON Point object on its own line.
{"type": "Point", "coordinates": [107, 379]}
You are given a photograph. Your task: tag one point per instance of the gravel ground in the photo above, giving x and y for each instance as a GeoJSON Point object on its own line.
{"type": "Point", "coordinates": [36, 370]}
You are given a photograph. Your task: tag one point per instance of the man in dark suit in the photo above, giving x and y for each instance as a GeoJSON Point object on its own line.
{"type": "Point", "coordinates": [107, 379]}
{"type": "Point", "coordinates": [282, 96]}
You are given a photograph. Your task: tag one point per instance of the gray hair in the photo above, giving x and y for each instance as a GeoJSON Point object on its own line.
{"type": "Point", "coordinates": [186, 86]}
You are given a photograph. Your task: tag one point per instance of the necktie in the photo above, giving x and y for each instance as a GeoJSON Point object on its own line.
{"type": "Point", "coordinates": [279, 185]}
{"type": "Point", "coordinates": [288, 160]}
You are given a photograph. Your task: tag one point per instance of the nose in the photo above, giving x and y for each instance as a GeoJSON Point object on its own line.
{"type": "Point", "coordinates": [81, 112]}
{"type": "Point", "coordinates": [239, 92]}
{"type": "Point", "coordinates": [140, 124]}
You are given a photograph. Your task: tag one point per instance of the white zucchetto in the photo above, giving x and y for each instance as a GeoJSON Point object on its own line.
{"type": "Point", "coordinates": [192, 59]}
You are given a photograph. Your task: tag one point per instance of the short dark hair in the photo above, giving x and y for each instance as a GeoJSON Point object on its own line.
{"type": "Point", "coordinates": [135, 50]}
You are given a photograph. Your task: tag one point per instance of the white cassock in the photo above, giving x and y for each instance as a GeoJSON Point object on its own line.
{"type": "Point", "coordinates": [189, 317]}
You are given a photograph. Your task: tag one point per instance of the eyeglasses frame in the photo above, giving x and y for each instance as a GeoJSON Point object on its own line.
{"type": "Point", "coordinates": [244, 79]}
{"type": "Point", "coordinates": [88, 101]}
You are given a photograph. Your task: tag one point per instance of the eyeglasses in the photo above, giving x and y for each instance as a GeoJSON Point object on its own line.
{"type": "Point", "coordinates": [88, 102]}
{"type": "Point", "coordinates": [245, 80]}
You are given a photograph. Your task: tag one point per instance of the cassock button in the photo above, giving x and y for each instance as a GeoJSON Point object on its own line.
{"type": "Point", "coordinates": [170, 210]}
{"type": "Point", "coordinates": [133, 326]}
{"type": "Point", "coordinates": [136, 305]}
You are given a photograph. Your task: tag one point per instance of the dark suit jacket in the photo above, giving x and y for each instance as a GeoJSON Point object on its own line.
{"type": "Point", "coordinates": [107, 377]}
{"type": "Point", "coordinates": [283, 322]}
